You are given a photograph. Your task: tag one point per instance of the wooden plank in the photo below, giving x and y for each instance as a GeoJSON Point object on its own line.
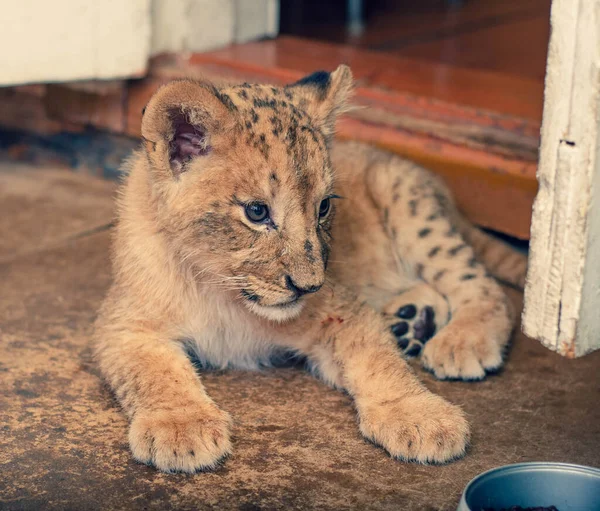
{"type": "Point", "coordinates": [517, 47]}
{"type": "Point", "coordinates": [562, 295]}
{"type": "Point", "coordinates": [97, 104]}
{"type": "Point", "coordinates": [22, 108]}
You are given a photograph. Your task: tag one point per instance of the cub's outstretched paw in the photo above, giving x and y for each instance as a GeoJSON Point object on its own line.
{"type": "Point", "coordinates": [413, 327]}
{"type": "Point", "coordinates": [423, 428]}
{"type": "Point", "coordinates": [181, 440]}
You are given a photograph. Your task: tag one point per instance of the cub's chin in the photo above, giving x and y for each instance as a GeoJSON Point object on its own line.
{"type": "Point", "coordinates": [278, 313]}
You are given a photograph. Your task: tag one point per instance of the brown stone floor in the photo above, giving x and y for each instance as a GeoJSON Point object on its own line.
{"type": "Point", "coordinates": [63, 441]}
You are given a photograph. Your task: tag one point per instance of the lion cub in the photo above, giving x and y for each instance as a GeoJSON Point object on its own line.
{"type": "Point", "coordinates": [244, 230]}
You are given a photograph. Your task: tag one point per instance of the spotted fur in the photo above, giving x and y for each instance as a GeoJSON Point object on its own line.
{"type": "Point", "coordinates": [194, 273]}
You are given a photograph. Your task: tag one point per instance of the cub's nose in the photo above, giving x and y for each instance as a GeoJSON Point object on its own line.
{"type": "Point", "coordinates": [298, 290]}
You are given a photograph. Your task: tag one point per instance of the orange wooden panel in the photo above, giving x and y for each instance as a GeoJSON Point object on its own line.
{"type": "Point", "coordinates": [88, 105]}
{"type": "Point", "coordinates": [492, 191]}
{"type": "Point", "coordinates": [517, 47]}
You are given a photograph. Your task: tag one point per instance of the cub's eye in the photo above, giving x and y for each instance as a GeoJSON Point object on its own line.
{"type": "Point", "coordinates": [324, 207]}
{"type": "Point", "coordinates": [257, 213]}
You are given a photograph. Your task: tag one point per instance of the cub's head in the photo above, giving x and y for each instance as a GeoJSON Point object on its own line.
{"type": "Point", "coordinates": [242, 184]}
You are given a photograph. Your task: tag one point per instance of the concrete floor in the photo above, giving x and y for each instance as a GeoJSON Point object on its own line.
{"type": "Point", "coordinates": [63, 439]}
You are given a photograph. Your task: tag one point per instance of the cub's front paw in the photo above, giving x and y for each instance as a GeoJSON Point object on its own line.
{"type": "Point", "coordinates": [423, 428]}
{"type": "Point", "coordinates": [181, 440]}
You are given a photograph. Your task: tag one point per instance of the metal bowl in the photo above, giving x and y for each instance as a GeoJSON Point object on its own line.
{"type": "Point", "coordinates": [567, 487]}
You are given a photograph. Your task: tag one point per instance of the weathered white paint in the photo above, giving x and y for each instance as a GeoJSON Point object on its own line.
{"type": "Point", "coordinates": [202, 25]}
{"type": "Point", "coordinates": [255, 19]}
{"type": "Point", "coordinates": [562, 295]}
{"type": "Point", "coordinates": [61, 40]}
{"type": "Point", "coordinates": [191, 25]}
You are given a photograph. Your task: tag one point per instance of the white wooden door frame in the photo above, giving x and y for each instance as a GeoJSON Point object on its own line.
{"type": "Point", "coordinates": [562, 295]}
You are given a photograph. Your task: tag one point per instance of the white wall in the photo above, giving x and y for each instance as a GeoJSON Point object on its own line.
{"type": "Point", "coordinates": [65, 40]}
{"type": "Point", "coordinates": [59, 40]}
{"type": "Point", "coordinates": [201, 25]}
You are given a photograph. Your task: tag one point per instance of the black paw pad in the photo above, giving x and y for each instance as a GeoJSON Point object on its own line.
{"type": "Point", "coordinates": [424, 327]}
{"type": "Point", "coordinates": [407, 311]}
{"type": "Point", "coordinates": [399, 329]}
{"type": "Point", "coordinates": [416, 329]}
{"type": "Point", "coordinates": [403, 343]}
{"type": "Point", "coordinates": [414, 350]}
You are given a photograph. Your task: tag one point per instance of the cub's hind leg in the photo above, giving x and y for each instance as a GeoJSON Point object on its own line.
{"type": "Point", "coordinates": [420, 218]}
{"type": "Point", "coordinates": [414, 316]}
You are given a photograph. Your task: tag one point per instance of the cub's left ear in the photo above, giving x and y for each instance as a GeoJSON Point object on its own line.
{"type": "Point", "coordinates": [180, 123]}
{"type": "Point", "coordinates": [324, 95]}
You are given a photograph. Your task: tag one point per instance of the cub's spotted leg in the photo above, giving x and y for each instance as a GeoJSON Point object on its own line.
{"type": "Point", "coordinates": [414, 317]}
{"type": "Point", "coordinates": [418, 215]}
{"type": "Point", "coordinates": [350, 347]}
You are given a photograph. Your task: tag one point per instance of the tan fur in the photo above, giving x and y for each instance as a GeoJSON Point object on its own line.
{"type": "Point", "coordinates": [192, 272]}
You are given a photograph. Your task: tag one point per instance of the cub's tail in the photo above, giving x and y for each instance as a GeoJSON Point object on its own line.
{"type": "Point", "coordinates": [500, 259]}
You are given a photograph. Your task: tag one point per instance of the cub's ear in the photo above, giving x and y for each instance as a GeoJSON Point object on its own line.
{"type": "Point", "coordinates": [180, 120]}
{"type": "Point", "coordinates": [325, 95]}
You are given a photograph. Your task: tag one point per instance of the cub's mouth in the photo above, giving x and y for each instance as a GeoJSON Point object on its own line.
{"type": "Point", "coordinates": [257, 299]}
{"type": "Point", "coordinates": [289, 303]}
{"type": "Point", "coordinates": [280, 311]}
